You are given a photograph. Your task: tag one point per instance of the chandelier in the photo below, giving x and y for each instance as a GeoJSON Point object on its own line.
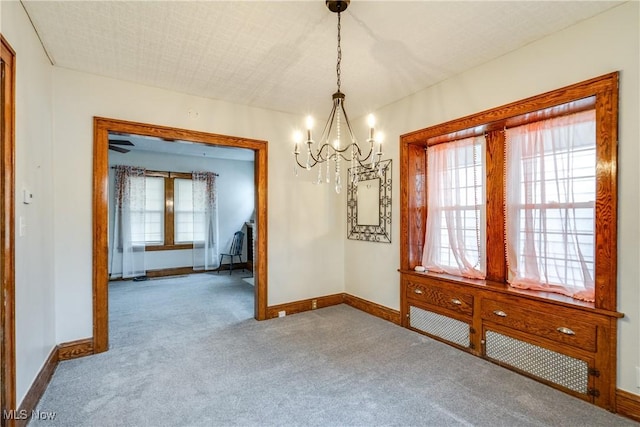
{"type": "Point", "coordinates": [335, 144]}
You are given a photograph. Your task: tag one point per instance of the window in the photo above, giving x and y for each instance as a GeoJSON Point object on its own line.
{"type": "Point", "coordinates": [154, 211]}
{"type": "Point", "coordinates": [550, 208]}
{"type": "Point", "coordinates": [163, 216]}
{"type": "Point", "coordinates": [549, 182]}
{"type": "Point", "coordinates": [184, 214]}
{"type": "Point", "coordinates": [454, 242]}
{"type": "Point", "coordinates": [169, 211]}
{"type": "Point", "coordinates": [548, 217]}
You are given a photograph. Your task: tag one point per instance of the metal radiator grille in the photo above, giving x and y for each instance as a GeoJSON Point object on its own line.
{"type": "Point", "coordinates": [543, 363]}
{"type": "Point", "coordinates": [441, 326]}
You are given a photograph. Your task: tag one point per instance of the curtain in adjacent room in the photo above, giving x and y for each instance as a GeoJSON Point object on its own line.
{"type": "Point", "coordinates": [550, 205]}
{"type": "Point", "coordinates": [455, 230]}
{"type": "Point", "coordinates": [128, 243]}
{"type": "Point", "coordinates": [205, 221]}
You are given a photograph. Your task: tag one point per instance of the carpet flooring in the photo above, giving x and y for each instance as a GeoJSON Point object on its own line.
{"type": "Point", "coordinates": [187, 352]}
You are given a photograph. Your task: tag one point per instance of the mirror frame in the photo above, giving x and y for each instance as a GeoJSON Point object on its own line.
{"type": "Point", "coordinates": [371, 233]}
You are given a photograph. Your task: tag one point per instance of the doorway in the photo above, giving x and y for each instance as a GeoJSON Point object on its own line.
{"type": "Point", "coordinates": [7, 238]}
{"type": "Point", "coordinates": [102, 128]}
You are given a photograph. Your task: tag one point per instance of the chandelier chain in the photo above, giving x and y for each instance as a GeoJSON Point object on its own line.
{"type": "Point", "coordinates": [339, 54]}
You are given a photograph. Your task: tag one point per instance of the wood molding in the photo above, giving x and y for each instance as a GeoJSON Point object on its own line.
{"type": "Point", "coordinates": [304, 305]}
{"type": "Point", "coordinates": [7, 233]}
{"type": "Point", "coordinates": [75, 349]}
{"type": "Point", "coordinates": [369, 307]}
{"type": "Point", "coordinates": [37, 389]}
{"type": "Point", "coordinates": [176, 271]}
{"type": "Point", "coordinates": [180, 271]}
{"type": "Point", "coordinates": [178, 247]}
{"type": "Point", "coordinates": [261, 244]}
{"type": "Point", "coordinates": [64, 351]}
{"type": "Point", "coordinates": [101, 128]}
{"type": "Point", "coordinates": [597, 85]}
{"type": "Point", "coordinates": [628, 404]}
{"type": "Point", "coordinates": [372, 308]}
{"type": "Point", "coordinates": [495, 208]}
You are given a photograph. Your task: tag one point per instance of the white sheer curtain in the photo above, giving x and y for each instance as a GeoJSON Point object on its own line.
{"type": "Point", "coordinates": [128, 243]}
{"type": "Point", "coordinates": [455, 231]}
{"type": "Point", "coordinates": [205, 221]}
{"type": "Point", "coordinates": [550, 201]}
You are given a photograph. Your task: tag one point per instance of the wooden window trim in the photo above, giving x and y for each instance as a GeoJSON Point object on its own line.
{"type": "Point", "coordinates": [413, 189]}
{"type": "Point", "coordinates": [167, 247]}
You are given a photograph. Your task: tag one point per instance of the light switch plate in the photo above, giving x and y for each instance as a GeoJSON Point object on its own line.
{"type": "Point", "coordinates": [27, 197]}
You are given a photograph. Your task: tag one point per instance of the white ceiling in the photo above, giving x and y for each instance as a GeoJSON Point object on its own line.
{"type": "Point", "coordinates": [282, 55]}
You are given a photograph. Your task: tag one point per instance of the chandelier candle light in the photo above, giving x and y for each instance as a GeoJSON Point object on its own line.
{"type": "Point", "coordinates": [330, 145]}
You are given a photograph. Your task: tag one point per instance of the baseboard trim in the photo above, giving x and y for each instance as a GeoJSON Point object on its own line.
{"type": "Point", "coordinates": [176, 271]}
{"type": "Point", "coordinates": [369, 307]}
{"type": "Point", "coordinates": [75, 349]}
{"type": "Point", "coordinates": [37, 389]}
{"type": "Point", "coordinates": [304, 305]}
{"type": "Point", "coordinates": [372, 308]}
{"type": "Point", "coordinates": [628, 404]}
{"type": "Point", "coordinates": [180, 271]}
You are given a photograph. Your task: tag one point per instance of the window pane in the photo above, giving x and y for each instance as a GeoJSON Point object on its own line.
{"type": "Point", "coordinates": [154, 210]}
{"type": "Point", "coordinates": [454, 241]}
{"type": "Point", "coordinates": [183, 210]}
{"type": "Point", "coordinates": [551, 191]}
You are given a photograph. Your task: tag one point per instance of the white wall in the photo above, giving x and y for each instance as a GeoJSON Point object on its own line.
{"type": "Point", "coordinates": [302, 217]}
{"type": "Point", "coordinates": [35, 317]}
{"type": "Point", "coordinates": [236, 199]}
{"type": "Point", "coordinates": [603, 44]}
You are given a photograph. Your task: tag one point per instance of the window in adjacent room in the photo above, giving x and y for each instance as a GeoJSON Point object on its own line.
{"type": "Point", "coordinates": [183, 211]}
{"type": "Point", "coordinates": [154, 211]}
{"type": "Point", "coordinates": [167, 219]}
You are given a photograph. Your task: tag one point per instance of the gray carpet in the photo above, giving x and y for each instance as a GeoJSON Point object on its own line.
{"type": "Point", "coordinates": [186, 352]}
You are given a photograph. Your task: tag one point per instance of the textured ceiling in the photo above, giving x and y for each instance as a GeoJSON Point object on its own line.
{"type": "Point", "coordinates": [281, 55]}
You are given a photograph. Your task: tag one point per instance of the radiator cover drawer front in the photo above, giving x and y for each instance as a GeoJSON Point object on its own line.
{"type": "Point", "coordinates": [557, 368]}
{"type": "Point", "coordinates": [452, 330]}
{"type": "Point", "coordinates": [448, 299]}
{"type": "Point", "coordinates": [557, 328]}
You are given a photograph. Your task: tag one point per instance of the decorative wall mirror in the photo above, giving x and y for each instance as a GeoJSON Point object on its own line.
{"type": "Point", "coordinates": [369, 203]}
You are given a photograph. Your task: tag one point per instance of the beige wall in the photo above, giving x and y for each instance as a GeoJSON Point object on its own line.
{"type": "Point", "coordinates": [609, 42]}
{"type": "Point", "coordinates": [34, 303]}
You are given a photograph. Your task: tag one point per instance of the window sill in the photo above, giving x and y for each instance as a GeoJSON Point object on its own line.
{"type": "Point", "coordinates": [180, 246]}
{"type": "Point", "coordinates": [503, 288]}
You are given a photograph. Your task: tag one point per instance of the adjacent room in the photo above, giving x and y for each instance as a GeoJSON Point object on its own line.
{"type": "Point", "coordinates": [179, 214]}
{"type": "Point", "coordinates": [335, 213]}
